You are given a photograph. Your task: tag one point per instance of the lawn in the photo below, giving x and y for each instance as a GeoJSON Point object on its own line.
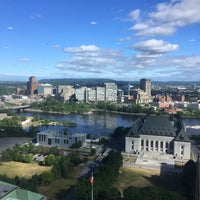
{"type": "Point", "coordinates": [26, 170]}
{"type": "Point", "coordinates": [144, 177]}
{"type": "Point", "coordinates": [59, 188]}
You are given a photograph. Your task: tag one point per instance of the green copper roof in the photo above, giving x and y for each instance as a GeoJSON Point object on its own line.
{"type": "Point", "coordinates": [12, 192]}
{"type": "Point", "coordinates": [160, 126]}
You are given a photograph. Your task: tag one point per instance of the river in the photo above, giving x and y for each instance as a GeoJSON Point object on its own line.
{"type": "Point", "coordinates": [102, 123]}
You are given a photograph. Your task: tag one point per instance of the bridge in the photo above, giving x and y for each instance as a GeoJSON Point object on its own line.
{"type": "Point", "coordinates": [18, 108]}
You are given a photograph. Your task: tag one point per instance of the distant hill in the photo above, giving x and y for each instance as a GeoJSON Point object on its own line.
{"type": "Point", "coordinates": [88, 82]}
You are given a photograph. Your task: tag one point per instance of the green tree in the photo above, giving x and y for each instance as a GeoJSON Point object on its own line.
{"type": "Point", "coordinates": [50, 160]}
{"type": "Point", "coordinates": [47, 178]}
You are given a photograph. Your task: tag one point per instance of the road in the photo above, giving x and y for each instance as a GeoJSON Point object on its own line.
{"type": "Point", "coordinates": [11, 141]}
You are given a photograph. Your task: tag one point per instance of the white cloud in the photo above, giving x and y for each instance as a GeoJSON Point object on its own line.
{"type": "Point", "coordinates": [93, 23]}
{"type": "Point", "coordinates": [90, 58]}
{"type": "Point", "coordinates": [168, 17]}
{"type": "Point", "coordinates": [10, 28]}
{"type": "Point", "coordinates": [82, 48]}
{"type": "Point", "coordinates": [134, 15]}
{"type": "Point", "coordinates": [93, 61]}
{"type": "Point", "coordinates": [155, 46]}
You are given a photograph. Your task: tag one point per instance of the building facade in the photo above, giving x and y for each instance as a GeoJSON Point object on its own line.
{"type": "Point", "coordinates": [158, 135]}
{"type": "Point", "coordinates": [65, 92]}
{"type": "Point", "coordinates": [45, 89]}
{"type": "Point", "coordinates": [145, 85]}
{"type": "Point", "coordinates": [110, 92]}
{"type": "Point", "coordinates": [60, 139]}
{"type": "Point", "coordinates": [32, 85]}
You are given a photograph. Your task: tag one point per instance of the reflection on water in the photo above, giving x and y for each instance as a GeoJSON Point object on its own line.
{"type": "Point", "coordinates": [100, 123]}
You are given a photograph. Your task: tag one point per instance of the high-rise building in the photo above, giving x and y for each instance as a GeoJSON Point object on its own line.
{"type": "Point", "coordinates": [32, 85]}
{"type": "Point", "coordinates": [80, 94]}
{"type": "Point", "coordinates": [145, 85]}
{"type": "Point", "coordinates": [110, 92]}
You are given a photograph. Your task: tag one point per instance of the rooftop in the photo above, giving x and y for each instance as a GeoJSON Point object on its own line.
{"type": "Point", "coordinates": [161, 126]}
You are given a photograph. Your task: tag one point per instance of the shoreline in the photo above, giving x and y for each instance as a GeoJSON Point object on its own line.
{"type": "Point", "coordinates": [106, 111]}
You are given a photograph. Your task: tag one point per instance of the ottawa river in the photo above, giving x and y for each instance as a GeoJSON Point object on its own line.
{"type": "Point", "coordinates": [100, 123]}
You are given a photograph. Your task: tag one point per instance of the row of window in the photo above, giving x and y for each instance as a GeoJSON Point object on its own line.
{"type": "Point", "coordinates": [42, 138]}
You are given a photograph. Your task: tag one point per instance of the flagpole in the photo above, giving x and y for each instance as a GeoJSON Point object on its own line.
{"type": "Point", "coordinates": [92, 193]}
{"type": "Point", "coordinates": [91, 181]}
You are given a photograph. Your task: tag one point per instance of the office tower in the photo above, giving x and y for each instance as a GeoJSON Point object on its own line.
{"type": "Point", "coordinates": [32, 85]}
{"type": "Point", "coordinates": [110, 92]}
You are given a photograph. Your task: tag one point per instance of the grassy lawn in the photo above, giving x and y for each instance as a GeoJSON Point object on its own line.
{"type": "Point", "coordinates": [58, 189]}
{"type": "Point", "coordinates": [144, 177]}
{"type": "Point", "coordinates": [55, 190]}
{"type": "Point", "coordinates": [26, 170]}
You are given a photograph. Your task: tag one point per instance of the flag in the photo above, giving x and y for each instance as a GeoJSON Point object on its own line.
{"type": "Point", "coordinates": [91, 180]}
{"type": "Point", "coordinates": [130, 86]}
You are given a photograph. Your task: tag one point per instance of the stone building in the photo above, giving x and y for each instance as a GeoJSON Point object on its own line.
{"type": "Point", "coordinates": [32, 85]}
{"type": "Point", "coordinates": [60, 139]}
{"type": "Point", "coordinates": [157, 135]}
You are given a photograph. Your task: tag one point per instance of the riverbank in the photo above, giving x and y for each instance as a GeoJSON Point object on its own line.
{"type": "Point", "coordinates": [86, 113]}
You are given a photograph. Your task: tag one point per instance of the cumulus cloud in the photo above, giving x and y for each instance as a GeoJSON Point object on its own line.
{"type": "Point", "coordinates": [151, 61]}
{"type": "Point", "coordinates": [90, 58]}
{"type": "Point", "coordinates": [167, 17]}
{"type": "Point", "coordinates": [82, 48]}
{"type": "Point", "coordinates": [170, 67]}
{"type": "Point", "coordinates": [134, 15]}
{"type": "Point", "coordinates": [155, 46]}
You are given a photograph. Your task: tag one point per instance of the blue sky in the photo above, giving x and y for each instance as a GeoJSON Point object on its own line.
{"type": "Point", "coordinates": [117, 39]}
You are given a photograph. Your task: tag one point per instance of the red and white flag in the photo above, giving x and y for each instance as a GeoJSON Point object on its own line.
{"type": "Point", "coordinates": [91, 179]}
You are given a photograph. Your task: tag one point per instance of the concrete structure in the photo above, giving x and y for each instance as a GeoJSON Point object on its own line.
{"type": "Point", "coordinates": [32, 85]}
{"type": "Point", "coordinates": [60, 139]}
{"type": "Point", "coordinates": [100, 94]}
{"type": "Point", "coordinates": [65, 92]}
{"type": "Point", "coordinates": [110, 92]}
{"type": "Point", "coordinates": [80, 94]}
{"type": "Point", "coordinates": [45, 89]}
{"type": "Point", "coordinates": [11, 192]}
{"type": "Point", "coordinates": [158, 135]}
{"type": "Point", "coordinates": [91, 95]}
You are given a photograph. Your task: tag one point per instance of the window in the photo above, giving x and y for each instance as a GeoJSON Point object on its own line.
{"type": "Point", "coordinates": [57, 141]}
{"type": "Point", "coordinates": [49, 141]}
{"type": "Point", "coordinates": [147, 145]}
{"type": "Point", "coordinates": [182, 150]}
{"type": "Point", "coordinates": [152, 145]}
{"type": "Point", "coordinates": [132, 145]}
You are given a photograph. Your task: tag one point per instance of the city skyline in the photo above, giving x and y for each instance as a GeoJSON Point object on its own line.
{"type": "Point", "coordinates": [114, 39]}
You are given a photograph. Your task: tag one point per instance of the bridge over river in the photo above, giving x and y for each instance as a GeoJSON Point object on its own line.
{"type": "Point", "coordinates": [18, 108]}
